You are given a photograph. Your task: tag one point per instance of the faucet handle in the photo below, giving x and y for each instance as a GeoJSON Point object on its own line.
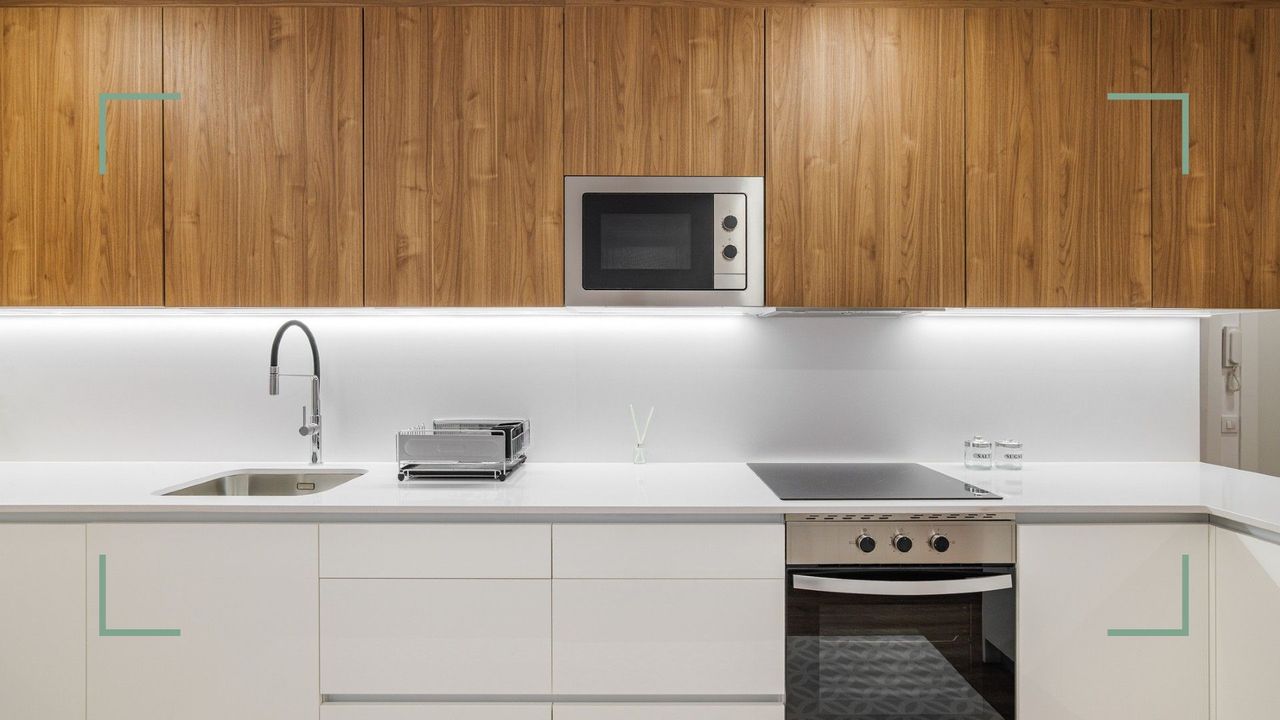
{"type": "Point", "coordinates": [306, 428]}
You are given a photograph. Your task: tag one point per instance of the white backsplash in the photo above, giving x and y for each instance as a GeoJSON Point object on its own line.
{"type": "Point", "coordinates": [726, 388]}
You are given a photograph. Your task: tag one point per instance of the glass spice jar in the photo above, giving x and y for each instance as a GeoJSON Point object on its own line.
{"type": "Point", "coordinates": [1008, 454]}
{"type": "Point", "coordinates": [977, 453]}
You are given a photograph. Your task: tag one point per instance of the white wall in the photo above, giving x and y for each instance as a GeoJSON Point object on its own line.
{"type": "Point", "coordinates": [1259, 442]}
{"type": "Point", "coordinates": [1267, 438]}
{"type": "Point", "coordinates": [176, 387]}
{"type": "Point", "coordinates": [1217, 399]}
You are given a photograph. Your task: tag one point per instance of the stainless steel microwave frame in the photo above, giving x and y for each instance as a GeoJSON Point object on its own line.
{"type": "Point", "coordinates": [751, 251]}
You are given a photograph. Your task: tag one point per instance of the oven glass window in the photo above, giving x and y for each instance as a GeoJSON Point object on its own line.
{"type": "Point", "coordinates": [876, 657]}
{"type": "Point", "coordinates": [647, 241]}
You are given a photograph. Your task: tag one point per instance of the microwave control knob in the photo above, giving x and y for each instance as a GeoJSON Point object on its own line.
{"type": "Point", "coordinates": [729, 223]}
{"type": "Point", "coordinates": [866, 543]}
{"type": "Point", "coordinates": [730, 252]}
{"type": "Point", "coordinates": [901, 543]}
{"type": "Point", "coordinates": [940, 543]}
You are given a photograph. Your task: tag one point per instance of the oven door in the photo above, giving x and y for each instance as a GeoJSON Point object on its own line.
{"type": "Point", "coordinates": [900, 643]}
{"type": "Point", "coordinates": [648, 241]}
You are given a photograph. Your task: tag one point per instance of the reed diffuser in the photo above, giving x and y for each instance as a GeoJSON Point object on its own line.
{"type": "Point", "coordinates": [638, 457]}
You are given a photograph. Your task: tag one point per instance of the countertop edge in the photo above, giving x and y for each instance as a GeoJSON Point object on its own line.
{"type": "Point", "coordinates": [1084, 514]}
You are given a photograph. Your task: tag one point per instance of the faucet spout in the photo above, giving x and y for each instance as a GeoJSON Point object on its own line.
{"type": "Point", "coordinates": [311, 428]}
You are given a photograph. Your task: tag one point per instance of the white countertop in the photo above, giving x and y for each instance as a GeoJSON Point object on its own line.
{"type": "Point", "coordinates": [30, 490]}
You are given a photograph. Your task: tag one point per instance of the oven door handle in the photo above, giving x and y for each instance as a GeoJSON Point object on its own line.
{"type": "Point", "coordinates": [845, 586]}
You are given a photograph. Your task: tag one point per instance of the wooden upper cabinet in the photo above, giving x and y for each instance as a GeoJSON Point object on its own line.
{"type": "Point", "coordinates": [69, 235]}
{"type": "Point", "coordinates": [1217, 229]}
{"type": "Point", "coordinates": [262, 157]}
{"type": "Point", "coordinates": [664, 91]}
{"type": "Point", "coordinates": [1058, 177]}
{"type": "Point", "coordinates": [865, 180]}
{"type": "Point", "coordinates": [464, 189]}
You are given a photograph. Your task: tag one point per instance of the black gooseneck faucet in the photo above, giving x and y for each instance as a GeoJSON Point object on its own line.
{"type": "Point", "coordinates": [310, 425]}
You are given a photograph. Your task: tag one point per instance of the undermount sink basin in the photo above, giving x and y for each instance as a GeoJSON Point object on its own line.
{"type": "Point", "coordinates": [268, 482]}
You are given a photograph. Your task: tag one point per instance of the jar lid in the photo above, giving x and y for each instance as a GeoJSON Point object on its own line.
{"type": "Point", "coordinates": [978, 441]}
{"type": "Point", "coordinates": [1008, 444]}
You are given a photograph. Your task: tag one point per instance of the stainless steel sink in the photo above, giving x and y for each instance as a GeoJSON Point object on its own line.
{"type": "Point", "coordinates": [268, 482]}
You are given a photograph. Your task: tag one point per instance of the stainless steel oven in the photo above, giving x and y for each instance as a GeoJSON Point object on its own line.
{"type": "Point", "coordinates": [902, 618]}
{"type": "Point", "coordinates": [696, 241]}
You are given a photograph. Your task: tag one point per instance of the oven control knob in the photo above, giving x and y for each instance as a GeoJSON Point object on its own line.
{"type": "Point", "coordinates": [866, 543]}
{"type": "Point", "coordinates": [729, 222]}
{"type": "Point", "coordinates": [940, 543]}
{"type": "Point", "coordinates": [901, 543]}
{"type": "Point", "coordinates": [730, 252]}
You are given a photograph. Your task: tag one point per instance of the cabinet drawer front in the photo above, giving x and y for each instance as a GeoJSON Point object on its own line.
{"type": "Point", "coordinates": [668, 637]}
{"type": "Point", "coordinates": [669, 551]}
{"type": "Point", "coordinates": [670, 711]}
{"type": "Point", "coordinates": [422, 637]}
{"type": "Point", "coordinates": [241, 600]}
{"type": "Point", "coordinates": [435, 711]}
{"type": "Point", "coordinates": [1247, 632]}
{"type": "Point", "coordinates": [476, 550]}
{"type": "Point", "coordinates": [42, 627]}
{"type": "Point", "coordinates": [1079, 585]}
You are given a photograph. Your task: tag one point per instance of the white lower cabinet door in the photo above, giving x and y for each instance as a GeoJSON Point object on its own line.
{"type": "Point", "coordinates": [669, 637]}
{"type": "Point", "coordinates": [435, 711]}
{"type": "Point", "coordinates": [435, 637]}
{"type": "Point", "coordinates": [669, 711]}
{"type": "Point", "coordinates": [1110, 625]}
{"type": "Point", "coordinates": [1248, 627]}
{"type": "Point", "coordinates": [42, 628]}
{"type": "Point", "coordinates": [203, 622]}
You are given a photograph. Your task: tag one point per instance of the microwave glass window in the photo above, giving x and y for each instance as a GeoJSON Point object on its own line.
{"type": "Point", "coordinates": [646, 241]}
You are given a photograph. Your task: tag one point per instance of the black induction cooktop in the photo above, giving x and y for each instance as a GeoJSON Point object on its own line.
{"type": "Point", "coordinates": [864, 481]}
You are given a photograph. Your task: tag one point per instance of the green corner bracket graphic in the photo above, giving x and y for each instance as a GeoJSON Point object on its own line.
{"type": "Point", "coordinates": [1185, 99]}
{"type": "Point", "coordinates": [1183, 631]}
{"type": "Point", "coordinates": [104, 631]}
{"type": "Point", "coordinates": [102, 118]}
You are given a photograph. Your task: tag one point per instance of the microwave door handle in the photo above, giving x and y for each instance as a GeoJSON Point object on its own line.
{"type": "Point", "coordinates": [844, 586]}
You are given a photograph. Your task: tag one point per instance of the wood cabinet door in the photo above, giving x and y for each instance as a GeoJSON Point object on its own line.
{"type": "Point", "coordinates": [1113, 622]}
{"type": "Point", "coordinates": [1217, 228]}
{"type": "Point", "coordinates": [664, 91]}
{"type": "Point", "coordinates": [70, 235]}
{"type": "Point", "coordinates": [262, 157]}
{"type": "Point", "coordinates": [865, 180]}
{"type": "Point", "coordinates": [203, 621]}
{"type": "Point", "coordinates": [1058, 201]}
{"type": "Point", "coordinates": [464, 189]}
{"type": "Point", "coordinates": [42, 631]}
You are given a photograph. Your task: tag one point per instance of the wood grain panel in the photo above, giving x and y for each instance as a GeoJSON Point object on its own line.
{"type": "Point", "coordinates": [901, 4]}
{"type": "Point", "coordinates": [69, 236]}
{"type": "Point", "coordinates": [664, 91]}
{"type": "Point", "coordinates": [1058, 177]}
{"type": "Point", "coordinates": [1217, 230]}
{"type": "Point", "coordinates": [865, 167]}
{"type": "Point", "coordinates": [464, 184]}
{"type": "Point", "coordinates": [262, 181]}
{"type": "Point", "coordinates": [397, 259]}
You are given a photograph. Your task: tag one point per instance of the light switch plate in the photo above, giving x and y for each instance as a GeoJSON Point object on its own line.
{"type": "Point", "coordinates": [1230, 425]}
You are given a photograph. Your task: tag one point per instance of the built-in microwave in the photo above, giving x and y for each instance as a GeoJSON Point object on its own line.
{"type": "Point", "coordinates": [692, 241]}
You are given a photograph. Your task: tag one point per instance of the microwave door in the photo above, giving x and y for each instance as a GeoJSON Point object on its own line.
{"type": "Point", "coordinates": [647, 241]}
